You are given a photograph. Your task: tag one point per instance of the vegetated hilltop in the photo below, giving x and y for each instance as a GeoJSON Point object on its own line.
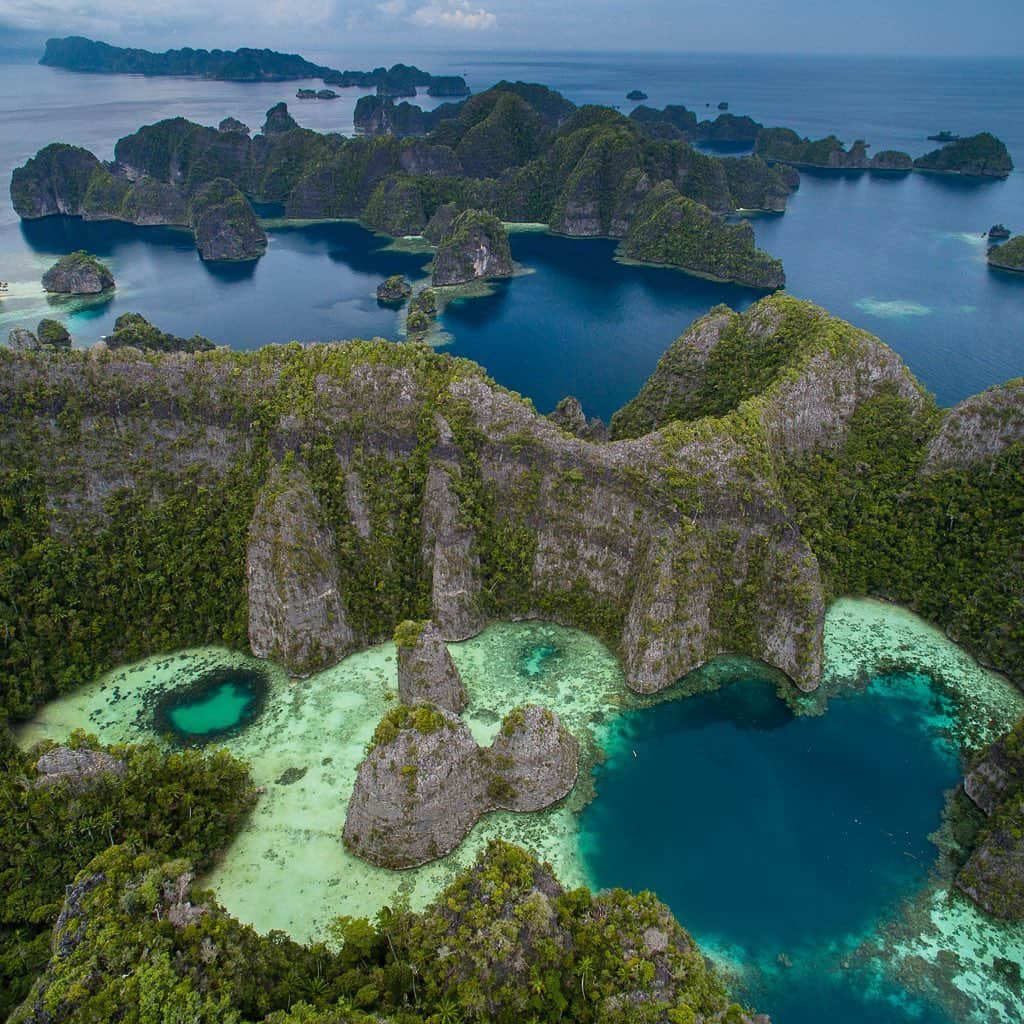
{"type": "Point", "coordinates": [981, 155]}
{"type": "Point", "coordinates": [518, 151]}
{"type": "Point", "coordinates": [1009, 255]}
{"type": "Point", "coordinates": [77, 53]}
{"type": "Point", "coordinates": [768, 474]}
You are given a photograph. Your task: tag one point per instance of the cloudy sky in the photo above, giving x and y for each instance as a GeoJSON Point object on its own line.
{"type": "Point", "coordinates": [792, 26]}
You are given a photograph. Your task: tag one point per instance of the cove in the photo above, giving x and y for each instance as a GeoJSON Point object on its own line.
{"type": "Point", "coordinates": [778, 840]}
{"type": "Point", "coordinates": [287, 868]}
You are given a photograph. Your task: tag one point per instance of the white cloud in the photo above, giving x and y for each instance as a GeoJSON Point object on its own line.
{"type": "Point", "coordinates": [455, 14]}
{"type": "Point", "coordinates": [393, 8]}
{"type": "Point", "coordinates": [114, 18]}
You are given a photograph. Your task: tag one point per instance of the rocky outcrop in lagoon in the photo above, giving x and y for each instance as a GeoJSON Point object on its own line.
{"type": "Point", "coordinates": [474, 247]}
{"type": "Point", "coordinates": [425, 782]}
{"type": "Point", "coordinates": [78, 273]}
{"type": "Point", "coordinates": [994, 873]}
{"type": "Point", "coordinates": [426, 672]}
{"type": "Point", "coordinates": [225, 226]}
{"type": "Point", "coordinates": [394, 289]}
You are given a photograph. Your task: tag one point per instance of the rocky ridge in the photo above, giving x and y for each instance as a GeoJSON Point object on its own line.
{"type": "Point", "coordinates": [371, 483]}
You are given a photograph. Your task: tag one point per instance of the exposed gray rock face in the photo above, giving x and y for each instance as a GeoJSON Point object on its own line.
{"type": "Point", "coordinates": [426, 672]}
{"type": "Point", "coordinates": [78, 274]}
{"type": "Point", "coordinates": [536, 759]}
{"type": "Point", "coordinates": [23, 340]}
{"type": "Point", "coordinates": [296, 615]}
{"type": "Point", "coordinates": [994, 874]}
{"type": "Point", "coordinates": [448, 553]}
{"type": "Point", "coordinates": [425, 782]}
{"type": "Point", "coordinates": [475, 246]}
{"type": "Point", "coordinates": [569, 415]}
{"type": "Point", "coordinates": [417, 794]}
{"type": "Point", "coordinates": [225, 226]}
{"type": "Point", "coordinates": [980, 427]}
{"type": "Point", "coordinates": [80, 767]}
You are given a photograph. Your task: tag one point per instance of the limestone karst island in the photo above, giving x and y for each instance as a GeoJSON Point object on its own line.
{"type": "Point", "coordinates": [505, 535]}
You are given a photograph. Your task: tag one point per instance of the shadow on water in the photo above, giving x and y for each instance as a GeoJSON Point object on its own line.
{"type": "Point", "coordinates": [60, 234]}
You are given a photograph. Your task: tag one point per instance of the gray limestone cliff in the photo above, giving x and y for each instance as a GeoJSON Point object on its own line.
{"type": "Point", "coordinates": [296, 615]}
{"type": "Point", "coordinates": [979, 427]}
{"type": "Point", "coordinates": [994, 873]}
{"type": "Point", "coordinates": [475, 246]}
{"type": "Point", "coordinates": [416, 488]}
{"type": "Point", "coordinates": [224, 223]}
{"type": "Point", "coordinates": [426, 672]}
{"type": "Point", "coordinates": [424, 782]}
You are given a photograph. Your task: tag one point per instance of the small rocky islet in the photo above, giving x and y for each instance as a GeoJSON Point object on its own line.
{"type": "Point", "coordinates": [78, 273]}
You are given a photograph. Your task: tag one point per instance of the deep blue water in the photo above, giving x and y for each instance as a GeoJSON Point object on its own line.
{"type": "Point", "coordinates": [902, 257]}
{"type": "Point", "coordinates": [771, 835]}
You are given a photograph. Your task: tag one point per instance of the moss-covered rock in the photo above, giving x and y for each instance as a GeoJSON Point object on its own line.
{"type": "Point", "coordinates": [982, 155]}
{"type": "Point", "coordinates": [53, 334]}
{"type": "Point", "coordinates": [426, 672]}
{"type": "Point", "coordinates": [78, 273]}
{"type": "Point", "coordinates": [1009, 255]}
{"type": "Point", "coordinates": [54, 181]}
{"type": "Point", "coordinates": [425, 782]}
{"type": "Point", "coordinates": [994, 873]}
{"type": "Point", "coordinates": [671, 229]}
{"type": "Point", "coordinates": [394, 289]}
{"type": "Point", "coordinates": [225, 226]}
{"type": "Point", "coordinates": [279, 120]}
{"type": "Point", "coordinates": [135, 331]}
{"type": "Point", "coordinates": [476, 246]}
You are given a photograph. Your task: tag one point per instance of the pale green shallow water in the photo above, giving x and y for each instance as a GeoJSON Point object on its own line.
{"type": "Point", "coordinates": [288, 869]}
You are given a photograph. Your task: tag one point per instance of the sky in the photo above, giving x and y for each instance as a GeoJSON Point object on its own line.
{"type": "Point", "coordinates": [911, 27]}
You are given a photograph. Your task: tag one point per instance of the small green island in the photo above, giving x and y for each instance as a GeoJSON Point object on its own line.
{"type": "Point", "coordinates": [78, 273]}
{"type": "Point", "coordinates": [1009, 255]}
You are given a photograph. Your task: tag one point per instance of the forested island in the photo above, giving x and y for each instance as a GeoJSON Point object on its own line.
{"type": "Point", "coordinates": [519, 151]}
{"type": "Point", "coordinates": [1009, 255]}
{"type": "Point", "coordinates": [76, 53]}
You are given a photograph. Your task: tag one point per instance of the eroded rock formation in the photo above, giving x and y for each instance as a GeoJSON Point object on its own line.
{"type": "Point", "coordinates": [426, 672]}
{"type": "Point", "coordinates": [425, 782]}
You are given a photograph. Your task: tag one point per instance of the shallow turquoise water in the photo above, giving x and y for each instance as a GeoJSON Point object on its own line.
{"type": "Point", "coordinates": [780, 842]}
{"type": "Point", "coordinates": [222, 708]}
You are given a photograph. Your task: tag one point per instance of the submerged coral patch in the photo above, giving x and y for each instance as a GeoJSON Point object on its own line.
{"type": "Point", "coordinates": [535, 659]}
{"type": "Point", "coordinates": [893, 309]}
{"type": "Point", "coordinates": [218, 704]}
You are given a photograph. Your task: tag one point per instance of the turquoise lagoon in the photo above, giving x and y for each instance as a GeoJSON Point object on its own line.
{"type": "Point", "coordinates": [797, 847]}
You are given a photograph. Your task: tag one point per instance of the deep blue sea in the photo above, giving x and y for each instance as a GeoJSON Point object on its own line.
{"type": "Point", "coordinates": [902, 257]}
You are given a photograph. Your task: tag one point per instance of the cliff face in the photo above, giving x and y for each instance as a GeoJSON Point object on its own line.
{"type": "Point", "coordinates": [224, 223]}
{"type": "Point", "coordinates": [426, 672]}
{"type": "Point", "coordinates": [979, 428]}
{"type": "Point", "coordinates": [475, 246]}
{"type": "Point", "coordinates": [773, 459]}
{"type": "Point", "coordinates": [994, 874]}
{"type": "Point", "coordinates": [296, 615]}
{"type": "Point", "coordinates": [425, 782]}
